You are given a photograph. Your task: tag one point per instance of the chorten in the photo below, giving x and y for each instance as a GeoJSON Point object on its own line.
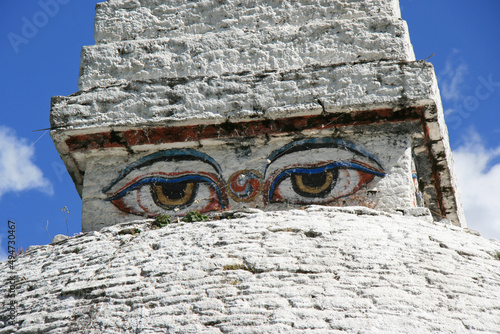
{"type": "Point", "coordinates": [311, 138]}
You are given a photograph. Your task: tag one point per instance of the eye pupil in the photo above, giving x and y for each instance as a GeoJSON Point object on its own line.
{"type": "Point", "coordinates": [174, 194]}
{"type": "Point", "coordinates": [314, 180]}
{"type": "Point", "coordinates": [314, 184]}
{"type": "Point", "coordinates": [175, 190]}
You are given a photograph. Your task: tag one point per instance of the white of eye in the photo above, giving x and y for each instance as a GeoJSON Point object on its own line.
{"type": "Point", "coordinates": [140, 201]}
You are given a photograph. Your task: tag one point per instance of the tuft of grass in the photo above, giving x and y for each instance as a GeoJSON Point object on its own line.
{"type": "Point", "coordinates": [238, 267]}
{"type": "Point", "coordinates": [313, 234]}
{"type": "Point", "coordinates": [66, 216]}
{"type": "Point", "coordinates": [162, 221]}
{"type": "Point", "coordinates": [132, 231]}
{"type": "Point", "coordinates": [287, 229]}
{"type": "Point", "coordinates": [18, 252]}
{"type": "Point", "coordinates": [194, 216]}
{"type": "Point", "coordinates": [233, 267]}
{"type": "Point", "coordinates": [497, 256]}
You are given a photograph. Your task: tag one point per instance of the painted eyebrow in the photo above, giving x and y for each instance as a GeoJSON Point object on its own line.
{"type": "Point", "coordinates": [166, 155]}
{"type": "Point", "coordinates": [311, 143]}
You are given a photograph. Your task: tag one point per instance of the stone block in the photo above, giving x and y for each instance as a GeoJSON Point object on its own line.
{"type": "Point", "coordinates": [235, 51]}
{"type": "Point", "coordinates": [151, 19]}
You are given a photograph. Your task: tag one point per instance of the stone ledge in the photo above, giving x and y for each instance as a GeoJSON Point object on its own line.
{"type": "Point", "coordinates": [249, 95]}
{"type": "Point", "coordinates": [236, 50]}
{"type": "Point", "coordinates": [144, 19]}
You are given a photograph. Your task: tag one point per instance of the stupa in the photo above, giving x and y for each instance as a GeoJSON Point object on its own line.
{"type": "Point", "coordinates": [310, 138]}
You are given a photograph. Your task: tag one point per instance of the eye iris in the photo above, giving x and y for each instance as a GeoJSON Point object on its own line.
{"type": "Point", "coordinates": [174, 194]}
{"type": "Point", "coordinates": [315, 184]}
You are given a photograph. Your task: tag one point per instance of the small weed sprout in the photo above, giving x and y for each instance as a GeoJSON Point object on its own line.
{"type": "Point", "coordinates": [239, 267]}
{"type": "Point", "coordinates": [18, 252]}
{"type": "Point", "coordinates": [132, 231]}
{"type": "Point", "coordinates": [233, 267]}
{"type": "Point", "coordinates": [47, 229]}
{"type": "Point", "coordinates": [162, 221]}
{"type": "Point", "coordinates": [194, 216]}
{"type": "Point", "coordinates": [66, 216]}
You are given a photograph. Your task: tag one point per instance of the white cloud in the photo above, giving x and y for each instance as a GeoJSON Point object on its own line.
{"type": "Point", "coordinates": [479, 182]}
{"type": "Point", "coordinates": [451, 79]}
{"type": "Point", "coordinates": [17, 170]}
{"type": "Point", "coordinates": [3, 254]}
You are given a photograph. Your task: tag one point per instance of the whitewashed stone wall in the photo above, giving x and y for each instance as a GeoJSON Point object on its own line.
{"type": "Point", "coordinates": [211, 54]}
{"type": "Point", "coordinates": [249, 95]}
{"type": "Point", "coordinates": [153, 39]}
{"type": "Point", "coordinates": [318, 270]}
{"type": "Point", "coordinates": [150, 19]}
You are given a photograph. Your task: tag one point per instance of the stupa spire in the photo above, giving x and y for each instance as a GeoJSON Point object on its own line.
{"type": "Point", "coordinates": [217, 105]}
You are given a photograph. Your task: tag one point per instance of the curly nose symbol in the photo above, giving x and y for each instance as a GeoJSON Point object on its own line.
{"type": "Point", "coordinates": [244, 185]}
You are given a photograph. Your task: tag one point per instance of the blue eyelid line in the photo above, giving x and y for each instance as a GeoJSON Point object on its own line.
{"type": "Point", "coordinates": [340, 164]}
{"type": "Point", "coordinates": [311, 143]}
{"type": "Point", "coordinates": [166, 155]}
{"type": "Point", "coordinates": [140, 183]}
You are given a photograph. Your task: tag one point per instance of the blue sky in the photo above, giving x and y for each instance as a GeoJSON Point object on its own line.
{"type": "Point", "coordinates": [34, 185]}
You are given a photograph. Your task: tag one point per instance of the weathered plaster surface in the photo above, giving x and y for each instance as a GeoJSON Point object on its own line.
{"type": "Point", "coordinates": [139, 40]}
{"type": "Point", "coordinates": [241, 96]}
{"type": "Point", "coordinates": [345, 270]}
{"type": "Point", "coordinates": [281, 47]}
{"type": "Point", "coordinates": [150, 19]}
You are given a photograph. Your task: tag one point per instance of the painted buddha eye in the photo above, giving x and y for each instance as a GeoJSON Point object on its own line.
{"type": "Point", "coordinates": [151, 193]}
{"type": "Point", "coordinates": [162, 193]}
{"type": "Point", "coordinates": [318, 171]}
{"type": "Point", "coordinates": [319, 184]}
